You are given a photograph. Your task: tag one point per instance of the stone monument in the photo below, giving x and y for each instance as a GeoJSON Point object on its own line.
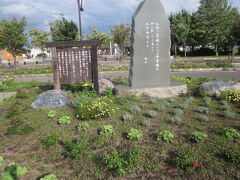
{"type": "Point", "coordinates": [150, 65]}
{"type": "Point", "coordinates": [150, 50]}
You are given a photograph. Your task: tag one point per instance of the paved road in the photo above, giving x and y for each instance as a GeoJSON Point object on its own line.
{"type": "Point", "coordinates": [235, 75]}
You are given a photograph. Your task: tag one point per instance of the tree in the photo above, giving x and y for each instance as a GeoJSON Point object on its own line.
{"type": "Point", "coordinates": [104, 38]}
{"type": "Point", "coordinates": [12, 37]}
{"type": "Point", "coordinates": [121, 35]}
{"type": "Point", "coordinates": [180, 29]}
{"type": "Point", "coordinates": [39, 39]}
{"type": "Point", "coordinates": [218, 17]}
{"type": "Point", "coordinates": [64, 30]}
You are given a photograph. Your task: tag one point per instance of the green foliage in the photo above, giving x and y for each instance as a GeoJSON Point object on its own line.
{"type": "Point", "coordinates": [26, 130]}
{"type": "Point", "coordinates": [22, 94]}
{"type": "Point", "coordinates": [197, 137]}
{"type": "Point", "coordinates": [135, 134]}
{"type": "Point", "coordinates": [127, 117]}
{"type": "Point", "coordinates": [225, 107]}
{"type": "Point", "coordinates": [152, 100]}
{"type": "Point", "coordinates": [177, 112]}
{"type": "Point", "coordinates": [39, 39]}
{"type": "Point", "coordinates": [12, 37]}
{"type": "Point", "coordinates": [121, 35]}
{"type": "Point", "coordinates": [106, 130]}
{"type": "Point", "coordinates": [179, 64]}
{"type": "Point", "coordinates": [13, 172]}
{"type": "Point", "coordinates": [232, 134]}
{"type": "Point", "coordinates": [207, 101]}
{"type": "Point", "coordinates": [108, 91]}
{"type": "Point", "coordinates": [91, 107]}
{"type": "Point", "coordinates": [231, 95]}
{"type": "Point", "coordinates": [64, 120]}
{"type": "Point", "coordinates": [171, 100]}
{"type": "Point", "coordinates": [232, 156]}
{"type": "Point", "coordinates": [202, 118]}
{"type": "Point", "coordinates": [95, 34]}
{"type": "Point", "coordinates": [83, 127]}
{"type": "Point", "coordinates": [77, 148]}
{"type": "Point", "coordinates": [186, 159]}
{"type": "Point", "coordinates": [165, 135]}
{"type": "Point", "coordinates": [146, 123]}
{"type": "Point", "coordinates": [121, 163]}
{"type": "Point", "coordinates": [160, 107]}
{"type": "Point", "coordinates": [203, 110]}
{"type": "Point", "coordinates": [183, 106]}
{"type": "Point", "coordinates": [52, 114]}
{"type": "Point", "coordinates": [14, 129]}
{"type": "Point", "coordinates": [135, 109]}
{"type": "Point", "coordinates": [63, 30]}
{"type": "Point", "coordinates": [51, 140]}
{"type": "Point", "coordinates": [49, 177]}
{"type": "Point", "coordinates": [1, 161]}
{"type": "Point", "coordinates": [151, 114]}
{"type": "Point", "coordinates": [15, 111]}
{"type": "Point", "coordinates": [229, 115]}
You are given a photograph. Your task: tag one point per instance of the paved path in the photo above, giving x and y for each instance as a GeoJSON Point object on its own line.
{"type": "Point", "coordinates": [235, 75]}
{"type": "Point", "coordinates": [5, 95]}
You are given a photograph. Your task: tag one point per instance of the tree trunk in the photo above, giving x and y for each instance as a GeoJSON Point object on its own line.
{"type": "Point", "coordinates": [43, 60]}
{"type": "Point", "coordinates": [15, 62]}
{"type": "Point", "coordinates": [185, 51]}
{"type": "Point", "coordinates": [175, 49]}
{"type": "Point", "coordinates": [216, 49]}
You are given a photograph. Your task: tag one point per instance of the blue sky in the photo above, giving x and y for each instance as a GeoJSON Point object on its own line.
{"type": "Point", "coordinates": [103, 14]}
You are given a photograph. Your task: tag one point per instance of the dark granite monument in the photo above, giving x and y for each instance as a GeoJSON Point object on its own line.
{"type": "Point", "coordinates": [150, 65]}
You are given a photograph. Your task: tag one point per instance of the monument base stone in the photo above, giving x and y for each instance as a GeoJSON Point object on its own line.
{"type": "Point", "coordinates": [174, 90]}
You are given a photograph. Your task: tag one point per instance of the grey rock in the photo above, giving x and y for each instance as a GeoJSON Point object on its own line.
{"type": "Point", "coordinates": [51, 99]}
{"type": "Point", "coordinates": [214, 88]}
{"type": "Point", "coordinates": [150, 51]}
{"type": "Point", "coordinates": [103, 84]}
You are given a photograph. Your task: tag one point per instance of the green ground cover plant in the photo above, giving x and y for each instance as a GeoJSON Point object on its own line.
{"type": "Point", "coordinates": [134, 134]}
{"type": "Point", "coordinates": [49, 177]}
{"type": "Point", "coordinates": [51, 140]}
{"type": "Point", "coordinates": [198, 137]}
{"type": "Point", "coordinates": [83, 127]}
{"type": "Point", "coordinates": [165, 135]}
{"type": "Point", "coordinates": [127, 117]}
{"type": "Point", "coordinates": [82, 155]}
{"type": "Point", "coordinates": [231, 95]}
{"type": "Point", "coordinates": [64, 120]}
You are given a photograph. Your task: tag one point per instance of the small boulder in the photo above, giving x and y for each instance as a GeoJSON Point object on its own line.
{"type": "Point", "coordinates": [214, 88]}
{"type": "Point", "coordinates": [103, 84]}
{"type": "Point", "coordinates": [51, 99]}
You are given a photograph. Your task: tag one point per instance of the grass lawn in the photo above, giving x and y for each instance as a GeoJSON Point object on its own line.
{"type": "Point", "coordinates": [33, 138]}
{"type": "Point", "coordinates": [204, 57]}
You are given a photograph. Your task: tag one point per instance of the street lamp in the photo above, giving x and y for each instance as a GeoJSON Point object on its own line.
{"type": "Point", "coordinates": [80, 8]}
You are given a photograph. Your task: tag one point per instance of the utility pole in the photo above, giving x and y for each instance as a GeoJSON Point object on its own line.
{"type": "Point", "coordinates": [80, 8]}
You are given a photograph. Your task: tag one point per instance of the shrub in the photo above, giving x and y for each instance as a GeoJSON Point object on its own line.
{"type": "Point", "coordinates": [14, 129]}
{"type": "Point", "coordinates": [151, 114]}
{"type": "Point", "coordinates": [190, 100]}
{"type": "Point", "coordinates": [94, 108]}
{"type": "Point", "coordinates": [165, 135]}
{"type": "Point", "coordinates": [49, 177]}
{"type": "Point", "coordinates": [176, 120]}
{"type": "Point", "coordinates": [202, 118]}
{"type": "Point", "coordinates": [51, 140]}
{"type": "Point", "coordinates": [232, 156]}
{"type": "Point", "coordinates": [232, 134]}
{"type": "Point", "coordinates": [160, 107]}
{"type": "Point", "coordinates": [231, 95]}
{"type": "Point", "coordinates": [121, 163]}
{"type": "Point", "coordinates": [26, 130]}
{"type": "Point", "coordinates": [52, 114]}
{"type": "Point", "coordinates": [203, 110]}
{"type": "Point", "coordinates": [224, 102]}
{"type": "Point", "coordinates": [186, 160]}
{"type": "Point", "coordinates": [82, 127]}
{"type": "Point", "coordinates": [106, 130]}
{"type": "Point", "coordinates": [13, 172]}
{"type": "Point", "coordinates": [75, 149]}
{"type": "Point", "coordinates": [177, 112]}
{"type": "Point", "coordinates": [108, 91]}
{"type": "Point", "coordinates": [184, 106]}
{"type": "Point", "coordinates": [207, 101]}
{"type": "Point", "coordinates": [171, 100]}
{"type": "Point", "coordinates": [152, 100]}
{"type": "Point", "coordinates": [14, 111]}
{"type": "Point", "coordinates": [135, 134]}
{"type": "Point", "coordinates": [127, 117]}
{"type": "Point", "coordinates": [225, 107]}
{"type": "Point", "coordinates": [135, 109]}
{"type": "Point", "coordinates": [22, 94]}
{"type": "Point", "coordinates": [197, 137]}
{"type": "Point", "coordinates": [64, 120]}
{"type": "Point", "coordinates": [146, 123]}
{"type": "Point", "coordinates": [229, 115]}
{"type": "Point", "coordinates": [1, 161]}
